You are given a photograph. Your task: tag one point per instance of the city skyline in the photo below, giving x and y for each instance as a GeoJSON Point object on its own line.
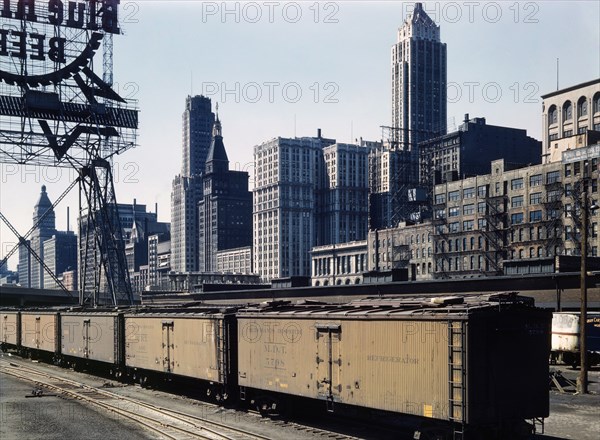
{"type": "Point", "coordinates": [357, 66]}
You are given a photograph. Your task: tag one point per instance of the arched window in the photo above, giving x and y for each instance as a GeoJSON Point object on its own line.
{"type": "Point", "coordinates": [552, 115]}
{"type": "Point", "coordinates": [567, 111]}
{"type": "Point", "coordinates": [596, 102]}
{"type": "Point", "coordinates": [582, 107]}
{"type": "Point", "coordinates": [318, 283]}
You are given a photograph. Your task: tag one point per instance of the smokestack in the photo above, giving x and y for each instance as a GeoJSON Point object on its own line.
{"type": "Point", "coordinates": [68, 219]}
{"type": "Point", "coordinates": [319, 133]}
{"type": "Point", "coordinates": [156, 209]}
{"type": "Point", "coordinates": [466, 117]}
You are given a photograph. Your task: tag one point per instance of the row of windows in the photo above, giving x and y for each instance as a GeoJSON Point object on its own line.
{"type": "Point", "coordinates": [482, 190]}
{"type": "Point", "coordinates": [519, 217]}
{"type": "Point", "coordinates": [567, 109]}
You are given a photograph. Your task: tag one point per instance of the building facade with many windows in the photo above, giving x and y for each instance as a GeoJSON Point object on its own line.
{"type": "Point", "coordinates": [343, 195]}
{"type": "Point", "coordinates": [407, 246]}
{"type": "Point", "coordinates": [287, 176]}
{"type": "Point", "coordinates": [339, 264]}
{"type": "Point", "coordinates": [514, 214]}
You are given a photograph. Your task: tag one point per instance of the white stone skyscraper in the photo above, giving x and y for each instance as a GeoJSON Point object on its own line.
{"type": "Point", "coordinates": [418, 113]}
{"type": "Point", "coordinates": [418, 81]}
{"type": "Point", "coordinates": [285, 203]}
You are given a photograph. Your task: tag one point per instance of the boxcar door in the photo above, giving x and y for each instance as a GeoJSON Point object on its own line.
{"type": "Point", "coordinates": [167, 346]}
{"type": "Point", "coordinates": [328, 362]}
{"type": "Point", "coordinates": [38, 331]}
{"type": "Point", "coordinates": [86, 338]}
{"type": "Point", "coordinates": [5, 328]}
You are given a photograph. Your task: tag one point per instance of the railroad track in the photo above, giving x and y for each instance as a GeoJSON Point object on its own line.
{"type": "Point", "coordinates": [165, 422]}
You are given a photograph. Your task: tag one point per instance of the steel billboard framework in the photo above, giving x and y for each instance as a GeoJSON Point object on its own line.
{"type": "Point", "coordinates": [56, 111]}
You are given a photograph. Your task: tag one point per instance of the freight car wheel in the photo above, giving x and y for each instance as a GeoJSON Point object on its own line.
{"type": "Point", "coordinates": [433, 433]}
{"type": "Point", "coordinates": [143, 381]}
{"type": "Point", "coordinates": [267, 406]}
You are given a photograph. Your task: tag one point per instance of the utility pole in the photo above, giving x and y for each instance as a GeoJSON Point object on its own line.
{"type": "Point", "coordinates": [582, 381]}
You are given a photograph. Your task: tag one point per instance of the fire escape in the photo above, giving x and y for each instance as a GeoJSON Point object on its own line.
{"type": "Point", "coordinates": [554, 216]}
{"type": "Point", "coordinates": [494, 233]}
{"type": "Point", "coordinates": [440, 240]}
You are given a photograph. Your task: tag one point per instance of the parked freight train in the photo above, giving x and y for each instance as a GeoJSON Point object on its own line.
{"type": "Point", "coordinates": [443, 361]}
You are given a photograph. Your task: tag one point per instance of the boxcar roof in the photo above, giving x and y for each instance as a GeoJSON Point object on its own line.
{"type": "Point", "coordinates": [390, 307]}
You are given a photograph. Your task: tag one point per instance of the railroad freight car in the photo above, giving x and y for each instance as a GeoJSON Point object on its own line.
{"type": "Point", "coordinates": [456, 361]}
{"type": "Point", "coordinates": [566, 338]}
{"type": "Point", "coordinates": [40, 333]}
{"type": "Point", "coordinates": [93, 340]}
{"type": "Point", "coordinates": [10, 330]}
{"type": "Point", "coordinates": [198, 344]}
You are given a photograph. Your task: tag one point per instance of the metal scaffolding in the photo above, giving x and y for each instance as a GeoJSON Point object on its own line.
{"type": "Point", "coordinates": [56, 111]}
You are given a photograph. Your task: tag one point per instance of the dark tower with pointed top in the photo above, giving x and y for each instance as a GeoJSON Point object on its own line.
{"type": "Point", "coordinates": [48, 224]}
{"type": "Point", "coordinates": [45, 230]}
{"type": "Point", "coordinates": [225, 210]}
{"type": "Point", "coordinates": [217, 161]}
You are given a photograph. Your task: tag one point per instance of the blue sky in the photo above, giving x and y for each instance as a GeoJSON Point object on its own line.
{"type": "Point", "coordinates": [288, 68]}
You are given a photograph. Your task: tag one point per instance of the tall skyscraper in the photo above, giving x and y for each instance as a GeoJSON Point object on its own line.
{"type": "Point", "coordinates": [44, 231]}
{"type": "Point", "coordinates": [418, 81]}
{"type": "Point", "coordinates": [288, 172]}
{"type": "Point", "coordinates": [418, 114]}
{"type": "Point", "coordinates": [225, 209]}
{"type": "Point", "coordinates": [198, 121]}
{"type": "Point", "coordinates": [197, 124]}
